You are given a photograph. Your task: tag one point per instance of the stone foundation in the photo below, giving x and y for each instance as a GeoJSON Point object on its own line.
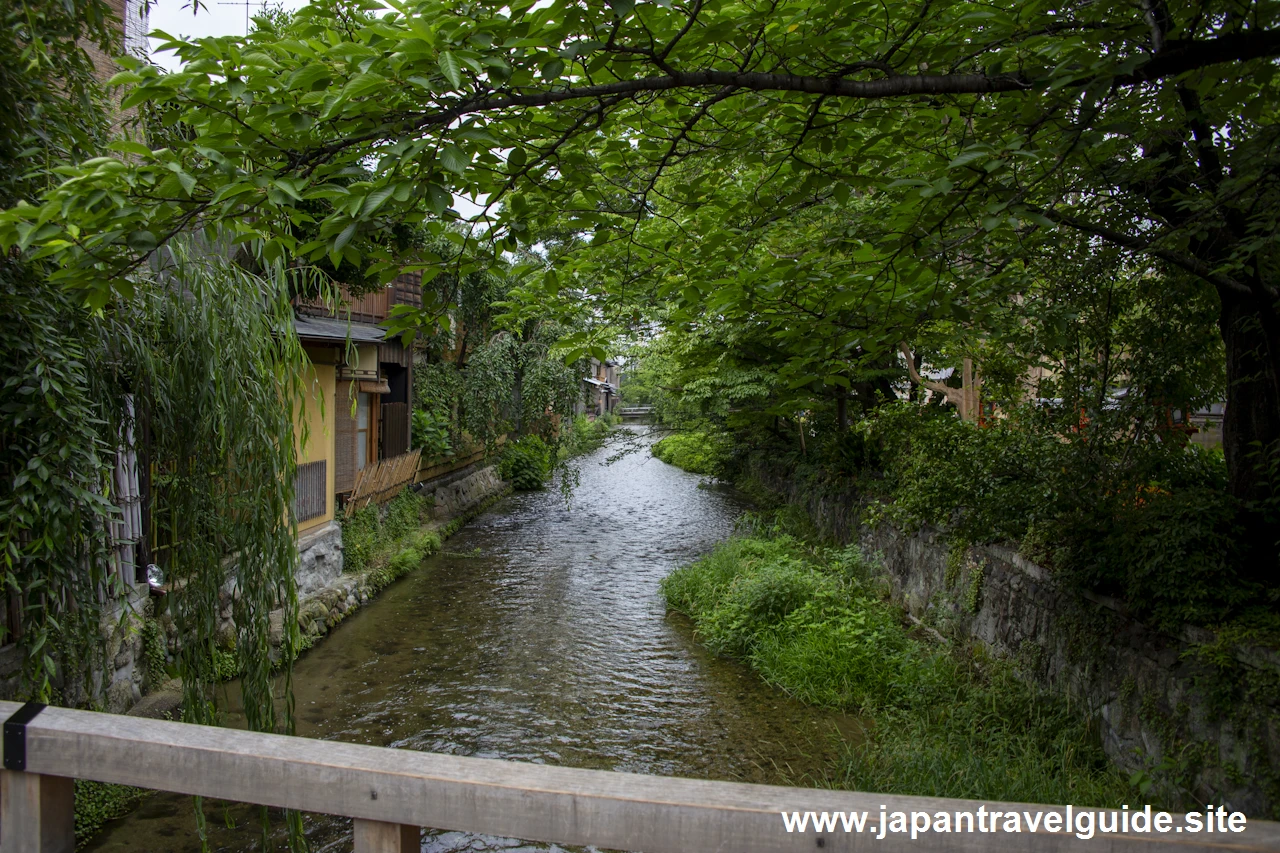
{"type": "Point", "coordinates": [319, 558]}
{"type": "Point", "coordinates": [1153, 697]}
{"type": "Point", "coordinates": [120, 677]}
{"type": "Point", "coordinates": [125, 657]}
{"type": "Point", "coordinates": [325, 597]}
{"type": "Point", "coordinates": [458, 492]}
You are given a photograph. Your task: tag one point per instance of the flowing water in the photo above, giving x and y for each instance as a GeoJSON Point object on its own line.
{"type": "Point", "coordinates": [539, 634]}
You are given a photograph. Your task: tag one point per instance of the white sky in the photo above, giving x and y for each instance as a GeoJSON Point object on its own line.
{"type": "Point", "coordinates": [216, 18]}
{"type": "Point", "coordinates": [224, 18]}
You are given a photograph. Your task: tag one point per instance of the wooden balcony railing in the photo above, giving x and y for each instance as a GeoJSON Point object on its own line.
{"type": "Point", "coordinates": [390, 793]}
{"type": "Point", "coordinates": [372, 307]}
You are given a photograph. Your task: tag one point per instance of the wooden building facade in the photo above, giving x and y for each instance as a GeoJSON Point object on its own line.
{"type": "Point", "coordinates": [360, 407]}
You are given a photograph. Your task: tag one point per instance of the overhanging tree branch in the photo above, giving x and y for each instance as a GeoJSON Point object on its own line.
{"type": "Point", "coordinates": [1128, 241]}
{"type": "Point", "coordinates": [1177, 57]}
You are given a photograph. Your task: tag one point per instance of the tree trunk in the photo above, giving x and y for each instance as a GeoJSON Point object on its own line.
{"type": "Point", "coordinates": [842, 408]}
{"type": "Point", "coordinates": [1252, 419]}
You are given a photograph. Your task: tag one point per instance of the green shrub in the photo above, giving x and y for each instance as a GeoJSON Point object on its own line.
{"type": "Point", "coordinates": [1175, 557]}
{"type": "Point", "coordinates": [1148, 522]}
{"type": "Point", "coordinates": [583, 435]}
{"type": "Point", "coordinates": [696, 452]}
{"type": "Point", "coordinates": [807, 620]}
{"type": "Point", "coordinates": [525, 463]}
{"type": "Point", "coordinates": [430, 432]}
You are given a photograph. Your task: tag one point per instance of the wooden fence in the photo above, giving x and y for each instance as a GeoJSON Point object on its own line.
{"type": "Point", "coordinates": [471, 452]}
{"type": "Point", "coordinates": [382, 480]}
{"type": "Point", "coordinates": [390, 793]}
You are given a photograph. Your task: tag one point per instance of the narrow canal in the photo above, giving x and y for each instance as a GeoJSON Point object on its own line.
{"type": "Point", "coordinates": [539, 634]}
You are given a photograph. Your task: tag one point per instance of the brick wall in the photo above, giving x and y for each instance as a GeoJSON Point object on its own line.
{"type": "Point", "coordinates": [132, 28]}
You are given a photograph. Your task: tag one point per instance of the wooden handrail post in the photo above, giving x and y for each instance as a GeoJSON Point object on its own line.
{"type": "Point", "coordinates": [37, 813]}
{"type": "Point", "coordinates": [374, 836]}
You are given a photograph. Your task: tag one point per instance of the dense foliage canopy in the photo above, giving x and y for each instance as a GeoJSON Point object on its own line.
{"type": "Point", "coordinates": [884, 166]}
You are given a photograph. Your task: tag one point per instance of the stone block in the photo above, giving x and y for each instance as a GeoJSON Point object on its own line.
{"type": "Point", "coordinates": [120, 696]}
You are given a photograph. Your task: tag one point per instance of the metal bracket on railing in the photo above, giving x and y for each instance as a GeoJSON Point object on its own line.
{"type": "Point", "coordinates": [15, 736]}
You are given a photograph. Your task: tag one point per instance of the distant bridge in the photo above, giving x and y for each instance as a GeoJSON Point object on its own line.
{"type": "Point", "coordinates": [636, 414]}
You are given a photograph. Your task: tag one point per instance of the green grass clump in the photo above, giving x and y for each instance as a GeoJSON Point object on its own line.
{"type": "Point", "coordinates": [96, 803]}
{"type": "Point", "coordinates": [810, 622]}
{"type": "Point", "coordinates": [416, 548]}
{"type": "Point", "coordinates": [971, 730]}
{"type": "Point", "coordinates": [368, 535]}
{"type": "Point", "coordinates": [695, 451]}
{"type": "Point", "coordinates": [359, 539]}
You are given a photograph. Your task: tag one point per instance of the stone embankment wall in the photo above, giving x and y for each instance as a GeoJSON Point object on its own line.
{"type": "Point", "coordinates": [119, 678]}
{"type": "Point", "coordinates": [325, 597]}
{"type": "Point", "coordinates": [120, 685]}
{"type": "Point", "coordinates": [456, 493]}
{"type": "Point", "coordinates": [1195, 713]}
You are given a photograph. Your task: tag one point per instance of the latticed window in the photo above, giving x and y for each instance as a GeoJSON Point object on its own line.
{"type": "Point", "coordinates": [310, 494]}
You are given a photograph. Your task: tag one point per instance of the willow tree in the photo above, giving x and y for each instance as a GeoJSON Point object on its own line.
{"type": "Point", "coordinates": [1149, 126]}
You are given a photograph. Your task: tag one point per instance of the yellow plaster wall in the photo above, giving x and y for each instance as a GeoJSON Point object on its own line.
{"type": "Point", "coordinates": [317, 414]}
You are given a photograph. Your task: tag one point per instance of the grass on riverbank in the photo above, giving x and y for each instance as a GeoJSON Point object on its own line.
{"type": "Point", "coordinates": [98, 803]}
{"type": "Point", "coordinates": [812, 622]}
{"type": "Point", "coordinates": [373, 535]}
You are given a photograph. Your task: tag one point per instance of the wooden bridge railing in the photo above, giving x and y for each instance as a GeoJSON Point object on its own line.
{"type": "Point", "coordinates": [391, 793]}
